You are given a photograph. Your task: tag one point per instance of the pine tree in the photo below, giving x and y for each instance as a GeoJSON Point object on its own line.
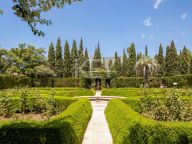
{"type": "Point", "coordinates": [81, 57]}
{"type": "Point", "coordinates": [132, 60]}
{"type": "Point", "coordinates": [117, 64]}
{"type": "Point", "coordinates": [185, 61]}
{"type": "Point", "coordinates": [67, 61]}
{"type": "Point", "coordinates": [146, 51]}
{"type": "Point", "coordinates": [125, 65]}
{"type": "Point", "coordinates": [74, 59]}
{"type": "Point", "coordinates": [171, 60]}
{"type": "Point", "coordinates": [58, 59]}
{"type": "Point", "coordinates": [160, 60]}
{"type": "Point", "coordinates": [51, 57]}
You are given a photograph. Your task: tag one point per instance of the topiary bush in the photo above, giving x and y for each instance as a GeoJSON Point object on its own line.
{"type": "Point", "coordinates": [129, 127]}
{"type": "Point", "coordinates": [67, 127]}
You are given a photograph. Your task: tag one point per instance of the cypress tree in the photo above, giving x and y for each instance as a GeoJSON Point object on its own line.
{"type": "Point", "coordinates": [146, 51]}
{"type": "Point", "coordinates": [67, 61]}
{"type": "Point", "coordinates": [97, 63]}
{"type": "Point", "coordinates": [185, 61]}
{"type": "Point", "coordinates": [80, 57]}
{"type": "Point", "coordinates": [132, 60]}
{"type": "Point", "coordinates": [87, 63]}
{"type": "Point", "coordinates": [74, 59]}
{"type": "Point", "coordinates": [117, 64]}
{"type": "Point", "coordinates": [58, 59]}
{"type": "Point", "coordinates": [124, 64]}
{"type": "Point", "coordinates": [160, 59]}
{"type": "Point", "coordinates": [139, 56]}
{"type": "Point", "coordinates": [51, 56]}
{"type": "Point", "coordinates": [171, 60]}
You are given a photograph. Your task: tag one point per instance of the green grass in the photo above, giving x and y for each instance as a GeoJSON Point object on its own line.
{"type": "Point", "coordinates": [64, 92]}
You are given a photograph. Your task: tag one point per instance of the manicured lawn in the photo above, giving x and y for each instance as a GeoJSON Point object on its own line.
{"type": "Point", "coordinates": [64, 92]}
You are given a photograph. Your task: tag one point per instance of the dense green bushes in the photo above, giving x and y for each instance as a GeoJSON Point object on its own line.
{"type": "Point", "coordinates": [129, 127]}
{"type": "Point", "coordinates": [68, 127]}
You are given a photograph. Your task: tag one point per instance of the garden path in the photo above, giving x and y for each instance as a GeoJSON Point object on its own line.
{"type": "Point", "coordinates": [97, 131]}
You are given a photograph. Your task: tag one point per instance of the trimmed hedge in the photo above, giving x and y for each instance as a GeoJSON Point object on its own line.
{"type": "Point", "coordinates": [7, 81]}
{"type": "Point", "coordinates": [66, 128]}
{"type": "Point", "coordinates": [66, 82]}
{"type": "Point", "coordinates": [129, 127]}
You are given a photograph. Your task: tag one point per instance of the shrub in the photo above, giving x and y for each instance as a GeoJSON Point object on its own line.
{"type": "Point", "coordinates": [67, 127]}
{"type": "Point", "coordinates": [6, 106]}
{"type": "Point", "coordinates": [129, 127]}
{"type": "Point", "coordinates": [66, 82]}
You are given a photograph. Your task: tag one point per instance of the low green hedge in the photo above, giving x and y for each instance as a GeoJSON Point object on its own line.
{"type": "Point", "coordinates": [129, 127]}
{"type": "Point", "coordinates": [68, 127]}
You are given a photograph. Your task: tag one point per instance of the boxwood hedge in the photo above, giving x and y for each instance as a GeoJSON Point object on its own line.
{"type": "Point", "coordinates": [66, 128]}
{"type": "Point", "coordinates": [129, 127]}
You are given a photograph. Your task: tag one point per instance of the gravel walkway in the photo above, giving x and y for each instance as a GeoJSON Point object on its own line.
{"type": "Point", "coordinates": [97, 131]}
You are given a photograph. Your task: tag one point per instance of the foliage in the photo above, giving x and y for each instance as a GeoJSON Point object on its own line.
{"type": "Point", "coordinates": [171, 60]}
{"type": "Point", "coordinates": [172, 109]}
{"type": "Point", "coordinates": [6, 106]}
{"type": "Point", "coordinates": [97, 59]}
{"type": "Point", "coordinates": [117, 64]}
{"type": "Point", "coordinates": [74, 60]}
{"type": "Point", "coordinates": [185, 61]}
{"type": "Point", "coordinates": [58, 59]}
{"type": "Point", "coordinates": [67, 127]}
{"type": "Point", "coordinates": [67, 61]}
{"type": "Point", "coordinates": [24, 101]}
{"type": "Point", "coordinates": [129, 127]}
{"type": "Point", "coordinates": [43, 71]}
{"type": "Point", "coordinates": [125, 65]}
{"type": "Point", "coordinates": [160, 60]}
{"type": "Point", "coordinates": [80, 56]}
{"type": "Point", "coordinates": [51, 57]}
{"type": "Point", "coordinates": [131, 60]}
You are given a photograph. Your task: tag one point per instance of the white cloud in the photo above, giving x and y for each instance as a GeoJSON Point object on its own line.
{"type": "Point", "coordinates": [147, 22]}
{"type": "Point", "coordinates": [142, 35]}
{"type": "Point", "coordinates": [183, 16]}
{"type": "Point", "coordinates": [157, 3]}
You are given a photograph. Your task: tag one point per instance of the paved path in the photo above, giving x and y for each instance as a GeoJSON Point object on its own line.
{"type": "Point", "coordinates": [97, 131]}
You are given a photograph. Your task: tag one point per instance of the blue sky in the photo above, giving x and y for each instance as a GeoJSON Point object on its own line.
{"type": "Point", "coordinates": [114, 23]}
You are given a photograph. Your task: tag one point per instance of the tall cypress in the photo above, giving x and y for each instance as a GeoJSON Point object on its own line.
{"type": "Point", "coordinates": [51, 56]}
{"type": "Point", "coordinates": [117, 64]}
{"type": "Point", "coordinates": [185, 61]}
{"type": "Point", "coordinates": [87, 63]}
{"type": "Point", "coordinates": [110, 65]}
{"type": "Point", "coordinates": [74, 60]}
{"type": "Point", "coordinates": [139, 56]}
{"type": "Point", "coordinates": [171, 60]}
{"type": "Point", "coordinates": [58, 59]}
{"type": "Point", "coordinates": [132, 60]}
{"type": "Point", "coordinates": [160, 59]}
{"type": "Point", "coordinates": [146, 51]}
{"type": "Point", "coordinates": [80, 57]}
{"type": "Point", "coordinates": [67, 61]}
{"type": "Point", "coordinates": [124, 64]}
{"type": "Point", "coordinates": [97, 62]}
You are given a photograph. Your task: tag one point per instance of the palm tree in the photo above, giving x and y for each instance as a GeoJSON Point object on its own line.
{"type": "Point", "coordinates": [146, 66]}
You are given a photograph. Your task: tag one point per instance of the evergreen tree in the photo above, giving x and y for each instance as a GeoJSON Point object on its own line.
{"type": "Point", "coordinates": [74, 59]}
{"type": "Point", "coordinates": [110, 65]}
{"type": "Point", "coordinates": [67, 61]}
{"type": "Point", "coordinates": [139, 56]}
{"type": "Point", "coordinates": [132, 60]}
{"type": "Point", "coordinates": [97, 62]}
{"type": "Point", "coordinates": [58, 59]}
{"type": "Point", "coordinates": [51, 57]}
{"type": "Point", "coordinates": [180, 62]}
{"type": "Point", "coordinates": [160, 60]}
{"type": "Point", "coordinates": [125, 65]}
{"type": "Point", "coordinates": [185, 61]}
{"type": "Point", "coordinates": [171, 60]}
{"type": "Point", "coordinates": [117, 64]}
{"type": "Point", "coordinates": [146, 51]}
{"type": "Point", "coordinates": [80, 57]}
{"type": "Point", "coordinates": [87, 63]}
